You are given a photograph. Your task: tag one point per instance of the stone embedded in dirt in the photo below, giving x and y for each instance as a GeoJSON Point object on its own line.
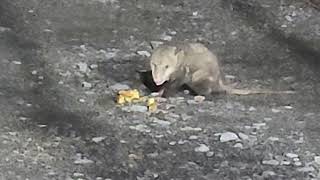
{"type": "Point", "coordinates": [161, 122]}
{"type": "Point", "coordinates": [272, 162]}
{"type": "Point", "coordinates": [275, 110]}
{"type": "Point", "coordinates": [34, 72]}
{"type": "Point", "coordinates": [273, 139]}
{"type": "Point", "coordinates": [135, 108]}
{"type": "Point", "coordinates": [289, 18]}
{"type": "Point", "coordinates": [288, 107]}
{"type": "Point", "coordinates": [182, 142]}
{"type": "Point", "coordinates": [93, 66]}
{"type": "Point", "coordinates": [199, 99]}
{"type": "Point", "coordinates": [228, 136]}
{"type": "Point", "coordinates": [119, 86]}
{"type": "Point", "coordinates": [285, 163]}
{"type": "Point", "coordinates": [317, 159]}
{"type": "Point", "coordinates": [251, 108]}
{"type": "Point", "coordinates": [86, 85]}
{"type": "Point", "coordinates": [202, 148]}
{"type": "Point", "coordinates": [166, 37]}
{"type": "Point", "coordinates": [76, 174]}
{"type": "Point", "coordinates": [98, 139]}
{"type": "Point", "coordinates": [82, 100]}
{"type": "Point", "coordinates": [188, 128]}
{"type": "Point", "coordinates": [267, 119]}
{"type": "Point", "coordinates": [267, 174]}
{"type": "Point", "coordinates": [298, 163]}
{"type": "Point", "coordinates": [4, 29]}
{"type": "Point", "coordinates": [144, 53]}
{"type": "Point", "coordinates": [292, 155]}
{"type": "Point", "coordinates": [210, 154]}
{"type": "Point", "coordinates": [306, 169]}
{"type": "Point", "coordinates": [17, 62]}
{"type": "Point", "coordinates": [140, 128]}
{"type": "Point", "coordinates": [296, 159]}
{"type": "Point", "coordinates": [83, 67]}
{"type": "Point", "coordinates": [83, 161]}
{"type": "Point", "coordinates": [258, 125]}
{"type": "Point", "coordinates": [172, 143]}
{"type": "Point", "coordinates": [243, 136]}
{"type": "Point", "coordinates": [193, 137]}
{"type": "Point", "coordinates": [238, 145]}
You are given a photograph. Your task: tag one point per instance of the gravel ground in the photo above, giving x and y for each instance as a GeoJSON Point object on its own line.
{"type": "Point", "coordinates": [62, 63]}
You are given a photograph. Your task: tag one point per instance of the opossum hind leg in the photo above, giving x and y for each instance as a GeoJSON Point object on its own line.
{"type": "Point", "coordinates": [201, 83]}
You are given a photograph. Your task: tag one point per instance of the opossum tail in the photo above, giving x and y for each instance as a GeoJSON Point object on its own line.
{"type": "Point", "coordinates": [230, 90]}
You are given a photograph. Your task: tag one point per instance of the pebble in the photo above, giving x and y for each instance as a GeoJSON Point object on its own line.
{"type": "Point", "coordinates": [193, 137]}
{"type": "Point", "coordinates": [82, 100]}
{"type": "Point", "coordinates": [86, 85]}
{"type": "Point", "coordinates": [288, 107]}
{"type": "Point", "coordinates": [273, 139]}
{"type": "Point", "coordinates": [258, 125]}
{"type": "Point", "coordinates": [229, 77]}
{"type": "Point", "coordinates": [275, 110]}
{"type": "Point", "coordinates": [296, 159]}
{"type": "Point", "coordinates": [285, 163]}
{"type": "Point", "coordinates": [83, 161]}
{"type": "Point", "coordinates": [202, 148]}
{"type": "Point", "coordinates": [292, 155]}
{"type": "Point", "coordinates": [288, 18]}
{"type": "Point", "coordinates": [268, 173]}
{"type": "Point", "coordinates": [317, 159]}
{"type": "Point", "coordinates": [243, 136]}
{"type": "Point", "coordinates": [161, 122]}
{"type": "Point", "coordinates": [83, 67]}
{"type": "Point", "coordinates": [238, 145]}
{"type": "Point", "coordinates": [306, 169]}
{"type": "Point", "coordinates": [298, 163]}
{"type": "Point", "coordinates": [199, 99]}
{"type": "Point", "coordinates": [17, 62]}
{"type": "Point", "coordinates": [93, 66]}
{"type": "Point", "coordinates": [77, 174]}
{"type": "Point", "coordinates": [267, 119]}
{"type": "Point", "coordinates": [140, 128]}
{"type": "Point", "coordinates": [210, 154]}
{"type": "Point", "coordinates": [3, 29]}
{"type": "Point", "coordinates": [34, 72]}
{"type": "Point", "coordinates": [252, 108]}
{"type": "Point", "coordinates": [166, 37]}
{"type": "Point", "coordinates": [270, 162]}
{"type": "Point", "coordinates": [119, 86]}
{"type": "Point", "coordinates": [98, 139]}
{"type": "Point", "coordinates": [144, 53]}
{"type": "Point", "coordinates": [135, 108]}
{"type": "Point", "coordinates": [228, 136]}
{"type": "Point", "coordinates": [172, 143]}
{"type": "Point", "coordinates": [188, 128]}
{"type": "Point", "coordinates": [195, 13]}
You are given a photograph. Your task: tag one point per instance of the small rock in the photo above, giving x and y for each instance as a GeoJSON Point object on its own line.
{"type": "Point", "coordinates": [267, 119]}
{"type": "Point", "coordinates": [210, 154]}
{"type": "Point", "coordinates": [289, 79]}
{"type": "Point", "coordinates": [296, 159]}
{"type": "Point", "coordinates": [231, 77]}
{"type": "Point", "coordinates": [275, 110]}
{"type": "Point", "coordinates": [83, 67]}
{"type": "Point", "coordinates": [77, 174]}
{"type": "Point", "coordinates": [188, 128]}
{"type": "Point", "coordinates": [273, 139]}
{"type": "Point", "coordinates": [17, 62]}
{"type": "Point", "coordinates": [285, 163]}
{"type": "Point", "coordinates": [144, 53]}
{"type": "Point", "coordinates": [298, 163]}
{"type": "Point", "coordinates": [140, 128]}
{"type": "Point", "coordinates": [270, 162]}
{"type": "Point", "coordinates": [284, 26]}
{"type": "Point", "coordinates": [228, 136]}
{"type": "Point", "coordinates": [258, 125]}
{"type": "Point", "coordinates": [34, 72]}
{"type": "Point", "coordinates": [172, 143]}
{"type": "Point", "coordinates": [4, 29]}
{"type": "Point", "coordinates": [288, 107]}
{"type": "Point", "coordinates": [98, 139]}
{"type": "Point", "coordinates": [317, 159]}
{"type": "Point", "coordinates": [182, 142]}
{"type": "Point", "coordinates": [82, 100]}
{"type": "Point", "coordinates": [238, 145]}
{"type": "Point", "coordinates": [166, 37]}
{"type": "Point", "coordinates": [135, 108]}
{"type": "Point", "coordinates": [93, 66]}
{"type": "Point", "coordinates": [193, 137]}
{"type": "Point", "coordinates": [83, 161]}
{"type": "Point", "coordinates": [306, 169]}
{"type": "Point", "coordinates": [202, 148]}
{"type": "Point", "coordinates": [289, 18]}
{"type": "Point", "coordinates": [268, 174]}
{"type": "Point", "coordinates": [234, 33]}
{"type": "Point", "coordinates": [118, 87]}
{"type": "Point", "coordinates": [292, 155]}
{"type": "Point", "coordinates": [195, 13]}
{"type": "Point", "coordinates": [252, 108]}
{"type": "Point", "coordinates": [161, 122]}
{"type": "Point", "coordinates": [86, 85]}
{"type": "Point", "coordinates": [243, 136]}
{"type": "Point", "coordinates": [199, 99]}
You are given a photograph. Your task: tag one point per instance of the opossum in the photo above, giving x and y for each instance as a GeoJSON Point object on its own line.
{"type": "Point", "coordinates": [196, 66]}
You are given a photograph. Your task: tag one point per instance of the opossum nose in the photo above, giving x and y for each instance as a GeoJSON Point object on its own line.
{"type": "Point", "coordinates": [158, 82]}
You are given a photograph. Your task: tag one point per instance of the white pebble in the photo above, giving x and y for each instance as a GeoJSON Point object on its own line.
{"type": "Point", "coordinates": [93, 66]}
{"type": "Point", "coordinates": [78, 174]}
{"type": "Point", "coordinates": [285, 163]}
{"type": "Point", "coordinates": [296, 159]}
{"type": "Point", "coordinates": [193, 137]}
{"type": "Point", "coordinates": [210, 154]}
{"type": "Point", "coordinates": [118, 87]}
{"type": "Point", "coordinates": [34, 72]}
{"type": "Point", "coordinates": [172, 143]}
{"type": "Point", "coordinates": [98, 139]}
{"type": "Point", "coordinates": [166, 37]}
{"type": "Point", "coordinates": [82, 100]}
{"type": "Point", "coordinates": [288, 107]}
{"type": "Point", "coordinates": [86, 85]}
{"type": "Point", "coordinates": [298, 163]}
{"type": "Point", "coordinates": [83, 161]}
{"type": "Point", "coordinates": [144, 53]}
{"type": "Point", "coordinates": [270, 162]}
{"type": "Point", "coordinates": [306, 169]}
{"type": "Point", "coordinates": [83, 67]}
{"type": "Point", "coordinates": [195, 13]}
{"type": "Point", "coordinates": [188, 128]}
{"type": "Point", "coordinates": [275, 110]}
{"type": "Point", "coordinates": [17, 62]}
{"type": "Point", "coordinates": [292, 155]}
{"type": "Point", "coordinates": [288, 18]}
{"type": "Point", "coordinates": [228, 136]}
{"type": "Point", "coordinates": [199, 99]}
{"type": "Point", "coordinates": [243, 136]}
{"type": "Point", "coordinates": [317, 159]}
{"type": "Point", "coordinates": [202, 148]}
{"type": "Point", "coordinates": [273, 139]}
{"type": "Point", "coordinates": [252, 108]}
{"type": "Point", "coordinates": [135, 108]}
{"type": "Point", "coordinates": [238, 145]}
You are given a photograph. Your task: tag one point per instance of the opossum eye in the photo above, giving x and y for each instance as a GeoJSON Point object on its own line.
{"type": "Point", "coordinates": [167, 66]}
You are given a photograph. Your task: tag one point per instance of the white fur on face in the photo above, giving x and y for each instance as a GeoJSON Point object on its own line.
{"type": "Point", "coordinates": [163, 64]}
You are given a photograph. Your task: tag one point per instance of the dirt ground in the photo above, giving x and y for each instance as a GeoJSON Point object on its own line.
{"type": "Point", "coordinates": [62, 63]}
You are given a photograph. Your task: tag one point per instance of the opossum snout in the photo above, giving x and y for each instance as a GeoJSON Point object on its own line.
{"type": "Point", "coordinates": [158, 81]}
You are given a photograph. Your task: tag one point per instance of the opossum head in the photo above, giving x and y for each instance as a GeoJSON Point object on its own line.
{"type": "Point", "coordinates": [164, 62]}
